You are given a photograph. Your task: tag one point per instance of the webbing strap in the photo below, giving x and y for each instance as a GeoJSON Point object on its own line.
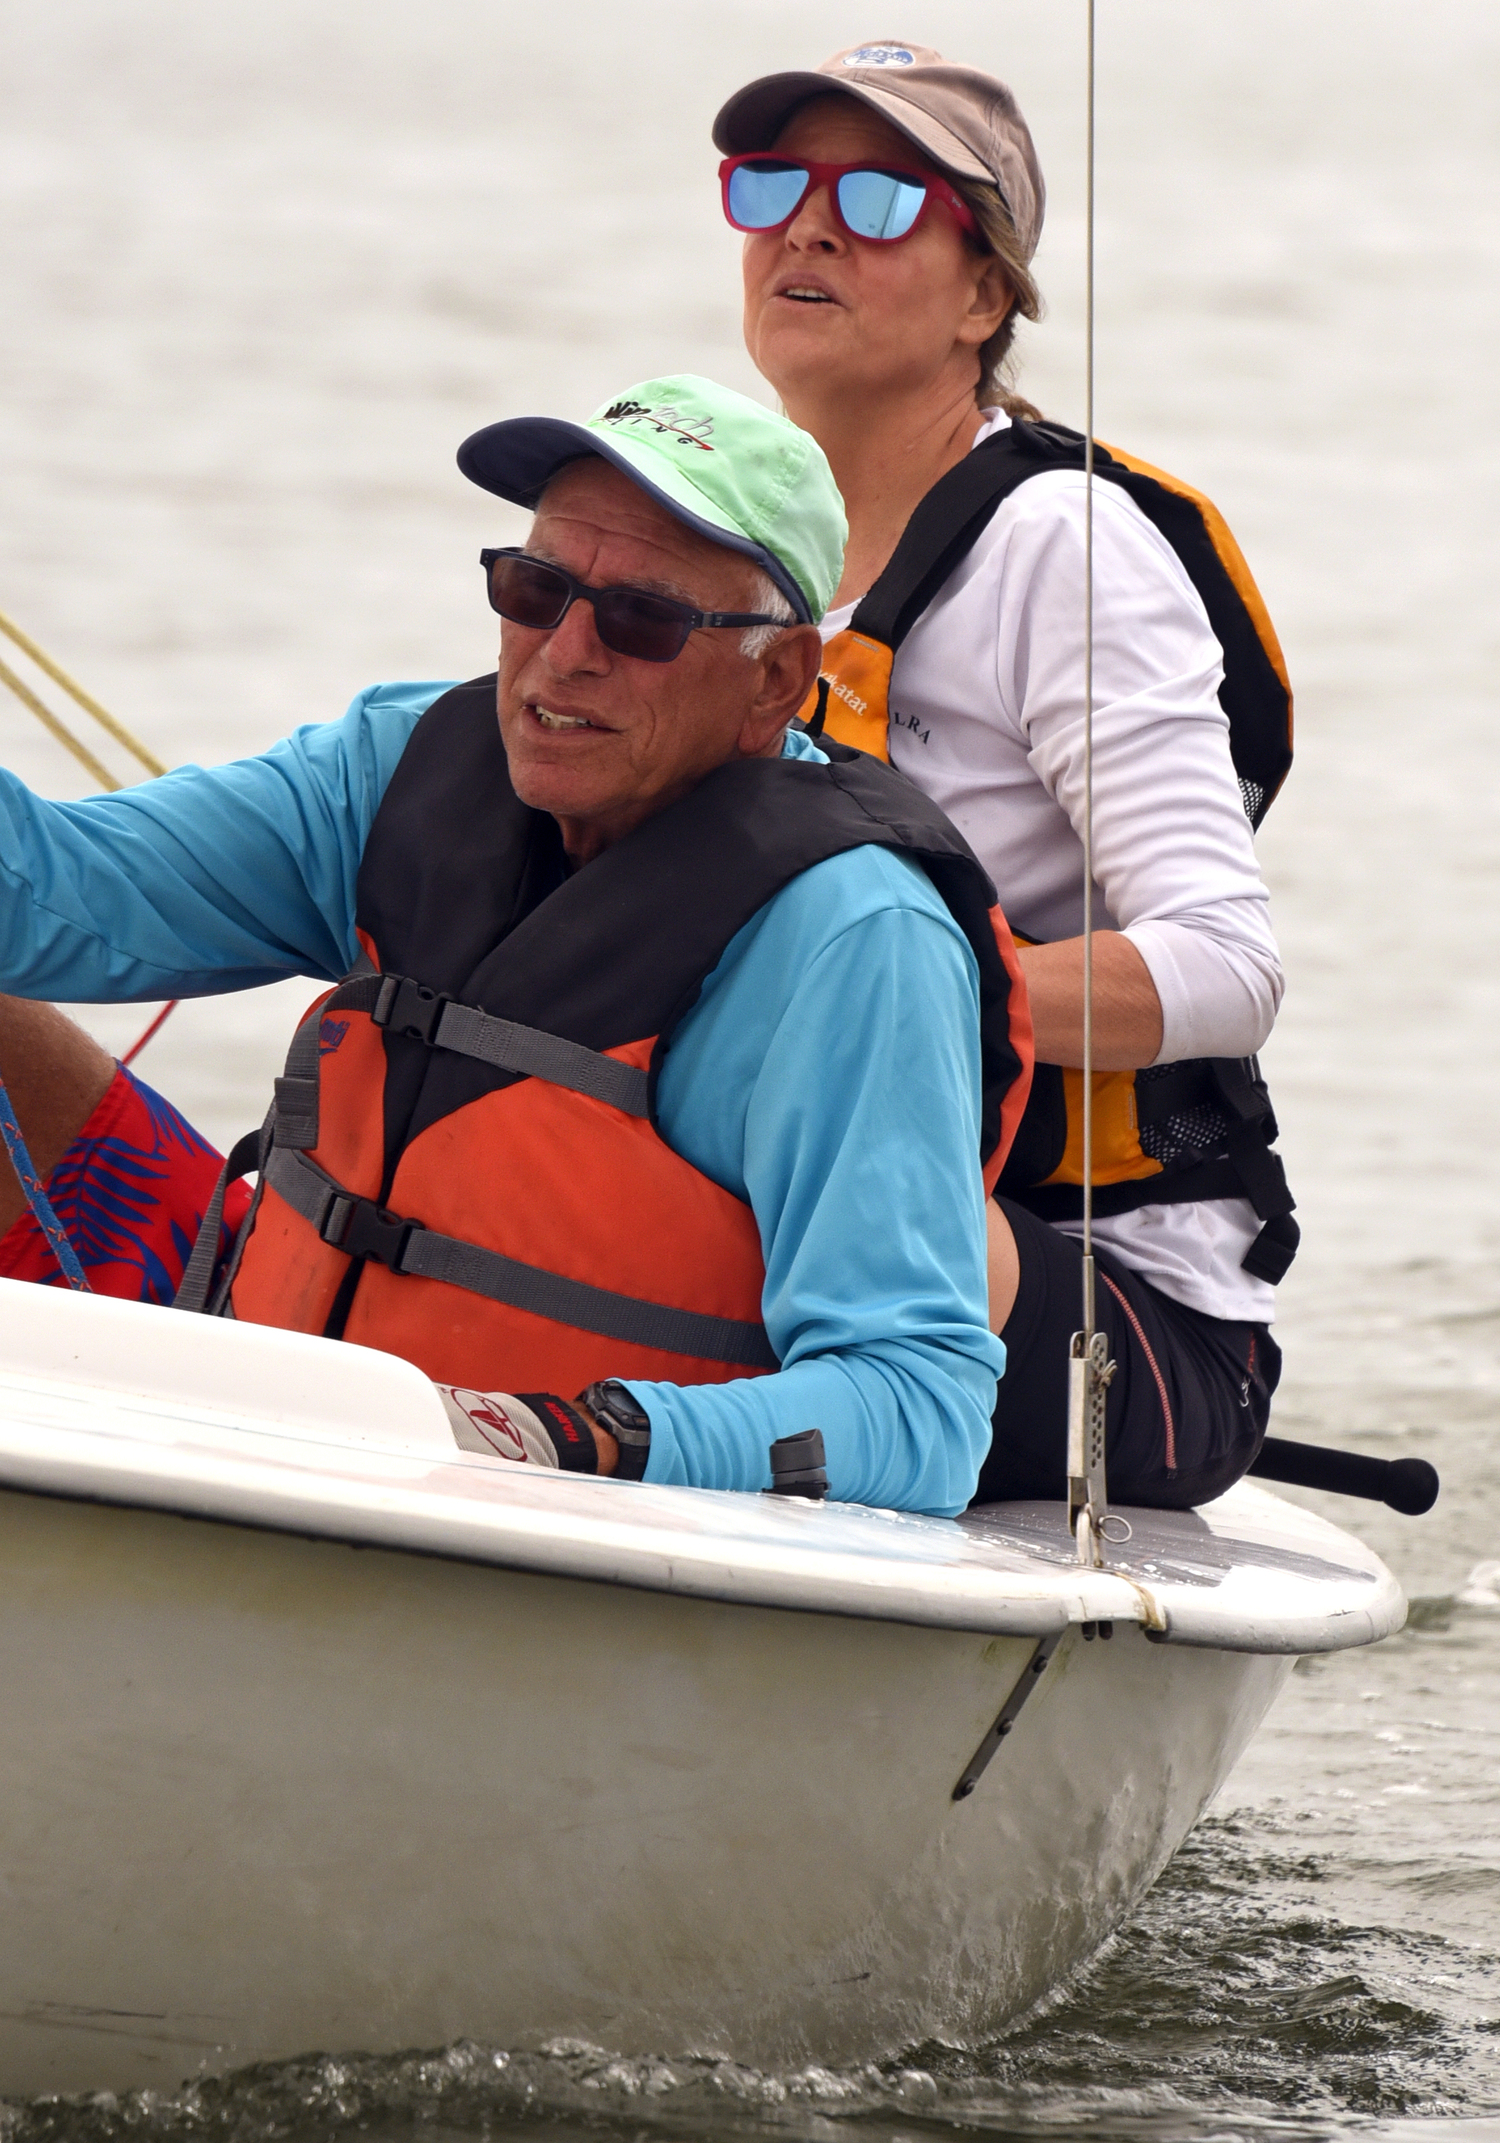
{"type": "Point", "coordinates": [1249, 1170]}
{"type": "Point", "coordinates": [360, 1228]}
{"type": "Point", "coordinates": [198, 1273]}
{"type": "Point", "coordinates": [939, 536]}
{"type": "Point", "coordinates": [1189, 1184]}
{"type": "Point", "coordinates": [950, 519]}
{"type": "Point", "coordinates": [405, 1007]}
{"type": "Point", "coordinates": [469, 1032]}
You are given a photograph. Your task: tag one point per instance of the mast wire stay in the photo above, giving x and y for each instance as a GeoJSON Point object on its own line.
{"type": "Point", "coordinates": [1090, 1370]}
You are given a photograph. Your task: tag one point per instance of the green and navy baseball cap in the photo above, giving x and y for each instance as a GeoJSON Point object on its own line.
{"type": "Point", "coordinates": [722, 464]}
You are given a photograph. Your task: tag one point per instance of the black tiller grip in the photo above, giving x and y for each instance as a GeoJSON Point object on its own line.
{"type": "Point", "coordinates": [1408, 1485]}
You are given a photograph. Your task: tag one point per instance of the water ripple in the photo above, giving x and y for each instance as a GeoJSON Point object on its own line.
{"type": "Point", "coordinates": [1227, 2008]}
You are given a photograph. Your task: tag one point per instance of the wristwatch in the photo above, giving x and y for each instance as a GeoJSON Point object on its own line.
{"type": "Point", "coordinates": [614, 1409]}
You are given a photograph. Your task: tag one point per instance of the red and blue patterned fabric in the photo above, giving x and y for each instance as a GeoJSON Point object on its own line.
{"type": "Point", "coordinates": [130, 1192]}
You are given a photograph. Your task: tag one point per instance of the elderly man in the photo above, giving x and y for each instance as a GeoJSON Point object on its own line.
{"type": "Point", "coordinates": [671, 1052]}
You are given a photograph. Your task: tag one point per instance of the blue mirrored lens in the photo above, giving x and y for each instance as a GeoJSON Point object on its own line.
{"type": "Point", "coordinates": [880, 204]}
{"type": "Point", "coordinates": [763, 195]}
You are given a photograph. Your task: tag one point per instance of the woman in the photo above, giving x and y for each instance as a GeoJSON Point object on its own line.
{"type": "Point", "coordinates": [892, 205]}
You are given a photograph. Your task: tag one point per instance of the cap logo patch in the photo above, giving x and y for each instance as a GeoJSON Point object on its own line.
{"type": "Point", "coordinates": [881, 56]}
{"type": "Point", "coordinates": [687, 431]}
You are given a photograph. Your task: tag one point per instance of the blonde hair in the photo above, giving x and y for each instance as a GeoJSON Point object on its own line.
{"type": "Point", "coordinates": [996, 364]}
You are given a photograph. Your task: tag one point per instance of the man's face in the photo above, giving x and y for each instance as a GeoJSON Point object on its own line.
{"type": "Point", "coordinates": [601, 740]}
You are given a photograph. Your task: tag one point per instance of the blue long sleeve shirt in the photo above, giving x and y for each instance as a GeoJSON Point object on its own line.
{"type": "Point", "coordinates": [828, 1075]}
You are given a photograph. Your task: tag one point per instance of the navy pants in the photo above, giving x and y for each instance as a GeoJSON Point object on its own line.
{"type": "Point", "coordinates": [1191, 1396]}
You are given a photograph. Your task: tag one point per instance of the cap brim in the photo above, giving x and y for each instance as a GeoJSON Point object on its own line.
{"type": "Point", "coordinates": [517, 460]}
{"type": "Point", "coordinates": [755, 115]}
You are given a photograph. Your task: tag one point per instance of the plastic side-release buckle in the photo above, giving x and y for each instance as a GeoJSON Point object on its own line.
{"type": "Point", "coordinates": [406, 1007]}
{"type": "Point", "coordinates": [362, 1229]}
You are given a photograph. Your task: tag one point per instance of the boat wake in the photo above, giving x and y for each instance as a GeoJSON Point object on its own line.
{"type": "Point", "coordinates": [1227, 2008]}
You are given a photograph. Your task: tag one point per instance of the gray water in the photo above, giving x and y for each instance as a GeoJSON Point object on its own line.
{"type": "Point", "coordinates": [263, 267]}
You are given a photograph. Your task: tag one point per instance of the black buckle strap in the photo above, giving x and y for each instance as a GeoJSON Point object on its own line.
{"type": "Point", "coordinates": [1244, 1093]}
{"type": "Point", "coordinates": [1261, 1171]}
{"type": "Point", "coordinates": [1273, 1250]}
{"type": "Point", "coordinates": [438, 1021]}
{"type": "Point", "coordinates": [407, 1007]}
{"type": "Point", "coordinates": [362, 1229]}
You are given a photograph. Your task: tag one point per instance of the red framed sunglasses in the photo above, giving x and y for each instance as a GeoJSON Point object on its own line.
{"type": "Point", "coordinates": [879, 205]}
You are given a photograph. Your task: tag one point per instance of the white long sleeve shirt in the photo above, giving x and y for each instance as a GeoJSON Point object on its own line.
{"type": "Point", "coordinates": [987, 718]}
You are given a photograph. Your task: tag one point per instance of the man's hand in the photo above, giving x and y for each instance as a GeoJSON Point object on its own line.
{"type": "Point", "coordinates": [535, 1428]}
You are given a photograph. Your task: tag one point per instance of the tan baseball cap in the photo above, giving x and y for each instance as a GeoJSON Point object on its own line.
{"type": "Point", "coordinates": [968, 123]}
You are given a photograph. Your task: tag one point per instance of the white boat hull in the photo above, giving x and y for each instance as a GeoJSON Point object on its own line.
{"type": "Point", "coordinates": [270, 1794]}
{"type": "Point", "coordinates": [319, 1735]}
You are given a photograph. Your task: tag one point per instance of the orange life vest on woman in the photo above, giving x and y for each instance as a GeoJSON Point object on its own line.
{"type": "Point", "coordinates": [461, 1165]}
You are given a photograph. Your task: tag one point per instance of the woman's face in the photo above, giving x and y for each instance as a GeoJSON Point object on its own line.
{"type": "Point", "coordinates": [824, 310]}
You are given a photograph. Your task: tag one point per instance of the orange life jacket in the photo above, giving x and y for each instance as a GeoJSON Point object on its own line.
{"type": "Point", "coordinates": [462, 1164]}
{"type": "Point", "coordinates": [1172, 1133]}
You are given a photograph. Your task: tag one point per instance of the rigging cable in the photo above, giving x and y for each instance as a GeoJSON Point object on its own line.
{"type": "Point", "coordinates": [95, 767]}
{"type": "Point", "coordinates": [101, 715]}
{"type": "Point", "coordinates": [27, 1175]}
{"type": "Point", "coordinates": [1088, 698]}
{"type": "Point", "coordinates": [1089, 1367]}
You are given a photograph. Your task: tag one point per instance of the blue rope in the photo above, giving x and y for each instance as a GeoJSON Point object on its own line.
{"type": "Point", "coordinates": [37, 1199]}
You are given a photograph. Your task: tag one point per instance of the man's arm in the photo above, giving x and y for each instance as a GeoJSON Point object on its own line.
{"type": "Point", "coordinates": [845, 1104]}
{"type": "Point", "coordinates": [209, 879]}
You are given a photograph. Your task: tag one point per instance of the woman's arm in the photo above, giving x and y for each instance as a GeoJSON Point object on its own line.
{"type": "Point", "coordinates": [1186, 964]}
{"type": "Point", "coordinates": [1127, 1010]}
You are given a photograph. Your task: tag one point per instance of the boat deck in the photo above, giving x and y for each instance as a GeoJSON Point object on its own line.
{"type": "Point", "coordinates": [103, 1401]}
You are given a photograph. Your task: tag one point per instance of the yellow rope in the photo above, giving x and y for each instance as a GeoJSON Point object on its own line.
{"type": "Point", "coordinates": [60, 730]}
{"type": "Point", "coordinates": [91, 706]}
{"type": "Point", "coordinates": [81, 752]}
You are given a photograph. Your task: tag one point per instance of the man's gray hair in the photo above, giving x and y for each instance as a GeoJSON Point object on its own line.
{"type": "Point", "coordinates": [766, 596]}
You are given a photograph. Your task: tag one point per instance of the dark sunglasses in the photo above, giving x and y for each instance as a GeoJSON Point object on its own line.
{"type": "Point", "coordinates": [763, 193]}
{"type": "Point", "coordinates": [651, 628]}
